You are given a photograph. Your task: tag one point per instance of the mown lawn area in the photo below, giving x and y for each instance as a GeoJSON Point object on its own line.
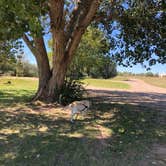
{"type": "Point", "coordinates": [16, 90]}
{"type": "Point", "coordinates": [39, 134]}
{"type": "Point", "coordinates": [106, 83]}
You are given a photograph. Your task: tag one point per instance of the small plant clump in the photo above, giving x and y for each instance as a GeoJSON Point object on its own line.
{"type": "Point", "coordinates": [72, 90]}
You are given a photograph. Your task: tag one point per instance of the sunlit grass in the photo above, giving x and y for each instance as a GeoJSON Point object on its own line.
{"type": "Point", "coordinates": [16, 90]}
{"type": "Point", "coordinates": [16, 83]}
{"type": "Point", "coordinates": [20, 90]}
{"type": "Point", "coordinates": [106, 83]}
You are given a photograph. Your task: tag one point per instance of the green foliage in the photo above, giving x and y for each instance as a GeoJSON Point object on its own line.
{"type": "Point", "coordinates": [139, 32]}
{"type": "Point", "coordinates": [19, 66]}
{"type": "Point", "coordinates": [7, 64]}
{"type": "Point", "coordinates": [7, 57]}
{"type": "Point", "coordinates": [21, 16]}
{"type": "Point", "coordinates": [105, 68]}
{"type": "Point", "coordinates": [149, 74]}
{"type": "Point", "coordinates": [72, 90]}
{"type": "Point", "coordinates": [25, 68]}
{"type": "Point", "coordinates": [91, 56]}
{"type": "Point", "coordinates": [10, 65]}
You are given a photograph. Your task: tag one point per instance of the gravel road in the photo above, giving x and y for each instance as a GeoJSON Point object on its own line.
{"type": "Point", "coordinates": [140, 93]}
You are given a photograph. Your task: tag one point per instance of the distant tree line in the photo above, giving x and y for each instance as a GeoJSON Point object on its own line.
{"type": "Point", "coordinates": [147, 74]}
{"type": "Point", "coordinates": [17, 66]}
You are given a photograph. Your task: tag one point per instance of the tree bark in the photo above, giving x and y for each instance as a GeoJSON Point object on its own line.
{"type": "Point", "coordinates": [51, 82]}
{"type": "Point", "coordinates": [60, 64]}
{"type": "Point", "coordinates": [38, 49]}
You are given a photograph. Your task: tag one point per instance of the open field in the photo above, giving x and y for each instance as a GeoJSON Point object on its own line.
{"type": "Point", "coordinates": [156, 81]}
{"type": "Point", "coordinates": [14, 90]}
{"type": "Point", "coordinates": [110, 134]}
{"type": "Point", "coordinates": [22, 89]}
{"type": "Point", "coordinates": [120, 82]}
{"type": "Point", "coordinates": [106, 83]}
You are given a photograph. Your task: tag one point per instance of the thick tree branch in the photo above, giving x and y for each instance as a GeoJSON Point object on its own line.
{"type": "Point", "coordinates": [109, 13]}
{"type": "Point", "coordinates": [39, 51]}
{"type": "Point", "coordinates": [74, 18]}
{"type": "Point", "coordinates": [56, 14]}
{"type": "Point", "coordinates": [90, 13]}
{"type": "Point", "coordinates": [29, 44]}
{"type": "Point", "coordinates": [83, 23]}
{"type": "Point", "coordinates": [38, 48]}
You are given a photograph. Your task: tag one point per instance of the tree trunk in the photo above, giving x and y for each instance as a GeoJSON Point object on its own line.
{"type": "Point", "coordinates": [44, 77]}
{"type": "Point", "coordinates": [50, 83]}
{"type": "Point", "coordinates": [50, 86]}
{"type": "Point", "coordinates": [60, 65]}
{"type": "Point", "coordinates": [43, 69]}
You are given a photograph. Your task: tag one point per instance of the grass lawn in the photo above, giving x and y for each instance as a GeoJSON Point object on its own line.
{"type": "Point", "coordinates": [42, 135]}
{"type": "Point", "coordinates": [14, 90]}
{"type": "Point", "coordinates": [106, 83]}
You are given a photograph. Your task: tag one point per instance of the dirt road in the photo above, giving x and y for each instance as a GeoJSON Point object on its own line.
{"type": "Point", "coordinates": [140, 86]}
{"type": "Point", "coordinates": [140, 93]}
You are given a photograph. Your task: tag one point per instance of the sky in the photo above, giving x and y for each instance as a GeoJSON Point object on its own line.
{"type": "Point", "coordinates": [159, 68]}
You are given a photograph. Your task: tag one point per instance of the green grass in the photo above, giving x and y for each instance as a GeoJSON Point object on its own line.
{"type": "Point", "coordinates": [18, 90]}
{"type": "Point", "coordinates": [109, 83]}
{"type": "Point", "coordinates": [120, 78]}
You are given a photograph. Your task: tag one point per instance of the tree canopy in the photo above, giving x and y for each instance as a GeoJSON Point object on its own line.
{"type": "Point", "coordinates": [7, 56]}
{"type": "Point", "coordinates": [141, 24]}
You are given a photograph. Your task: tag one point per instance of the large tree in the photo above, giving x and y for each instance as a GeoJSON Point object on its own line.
{"type": "Point", "coordinates": [141, 25]}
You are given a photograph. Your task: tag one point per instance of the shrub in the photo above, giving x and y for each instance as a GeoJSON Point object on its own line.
{"type": "Point", "coordinates": [72, 90]}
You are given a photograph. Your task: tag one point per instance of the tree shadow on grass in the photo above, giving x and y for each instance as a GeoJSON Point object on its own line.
{"type": "Point", "coordinates": [151, 100]}
{"type": "Point", "coordinates": [13, 97]}
{"type": "Point", "coordinates": [48, 139]}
